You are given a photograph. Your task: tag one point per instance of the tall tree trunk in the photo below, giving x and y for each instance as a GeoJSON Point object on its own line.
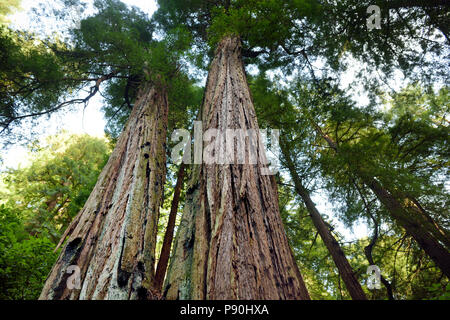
{"type": "Point", "coordinates": [168, 236]}
{"type": "Point", "coordinates": [231, 242]}
{"type": "Point", "coordinates": [369, 248]}
{"type": "Point", "coordinates": [345, 270]}
{"type": "Point", "coordinates": [112, 240]}
{"type": "Point", "coordinates": [399, 4]}
{"type": "Point", "coordinates": [409, 219]}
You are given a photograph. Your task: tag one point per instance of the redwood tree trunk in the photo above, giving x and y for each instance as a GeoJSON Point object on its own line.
{"type": "Point", "coordinates": [112, 240]}
{"type": "Point", "coordinates": [231, 242]}
{"type": "Point", "coordinates": [168, 236]}
{"type": "Point", "coordinates": [345, 270]}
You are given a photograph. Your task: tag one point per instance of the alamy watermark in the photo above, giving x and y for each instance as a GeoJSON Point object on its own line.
{"type": "Point", "coordinates": [228, 146]}
{"type": "Point", "coordinates": [374, 20]}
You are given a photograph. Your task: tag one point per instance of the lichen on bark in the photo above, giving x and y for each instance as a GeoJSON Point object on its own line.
{"type": "Point", "coordinates": [112, 240]}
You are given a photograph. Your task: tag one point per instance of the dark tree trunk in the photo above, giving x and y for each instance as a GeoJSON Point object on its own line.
{"type": "Point", "coordinates": [412, 221]}
{"type": "Point", "coordinates": [168, 236]}
{"type": "Point", "coordinates": [112, 240]}
{"type": "Point", "coordinates": [409, 221]}
{"type": "Point", "coordinates": [345, 270]}
{"type": "Point", "coordinates": [231, 242]}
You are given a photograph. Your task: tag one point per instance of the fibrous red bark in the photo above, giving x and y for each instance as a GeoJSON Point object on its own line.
{"type": "Point", "coordinates": [231, 242]}
{"type": "Point", "coordinates": [112, 240]}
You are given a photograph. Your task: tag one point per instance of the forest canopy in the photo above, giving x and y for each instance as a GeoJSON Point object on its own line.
{"type": "Point", "coordinates": [363, 116]}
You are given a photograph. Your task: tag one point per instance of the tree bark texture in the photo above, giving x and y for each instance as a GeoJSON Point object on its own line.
{"type": "Point", "coordinates": [345, 270]}
{"type": "Point", "coordinates": [112, 240]}
{"type": "Point", "coordinates": [231, 242]}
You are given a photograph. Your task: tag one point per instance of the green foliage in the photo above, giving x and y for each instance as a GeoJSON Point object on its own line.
{"type": "Point", "coordinates": [331, 34]}
{"type": "Point", "coordinates": [31, 78]}
{"type": "Point", "coordinates": [260, 23]}
{"type": "Point", "coordinates": [409, 32]}
{"type": "Point", "coordinates": [121, 39]}
{"type": "Point", "coordinates": [112, 52]}
{"type": "Point", "coordinates": [442, 294]}
{"type": "Point", "coordinates": [25, 260]}
{"type": "Point", "coordinates": [315, 263]}
{"type": "Point", "coordinates": [411, 273]}
{"type": "Point", "coordinates": [112, 30]}
{"type": "Point", "coordinates": [263, 25]}
{"type": "Point", "coordinates": [52, 188]}
{"type": "Point", "coordinates": [403, 143]}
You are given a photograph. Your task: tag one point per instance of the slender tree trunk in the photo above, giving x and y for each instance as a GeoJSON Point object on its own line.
{"type": "Point", "coordinates": [112, 240]}
{"type": "Point", "coordinates": [368, 253]}
{"type": "Point", "coordinates": [345, 270]}
{"type": "Point", "coordinates": [398, 4]}
{"type": "Point", "coordinates": [231, 242]}
{"type": "Point", "coordinates": [168, 236]}
{"type": "Point", "coordinates": [410, 220]}
{"type": "Point", "coordinates": [427, 221]}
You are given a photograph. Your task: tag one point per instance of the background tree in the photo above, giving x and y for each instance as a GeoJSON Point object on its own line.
{"type": "Point", "coordinates": [380, 160]}
{"type": "Point", "coordinates": [37, 202]}
{"type": "Point", "coordinates": [7, 7]}
{"type": "Point", "coordinates": [295, 153]}
{"type": "Point", "coordinates": [51, 189]}
{"type": "Point", "coordinates": [222, 197]}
